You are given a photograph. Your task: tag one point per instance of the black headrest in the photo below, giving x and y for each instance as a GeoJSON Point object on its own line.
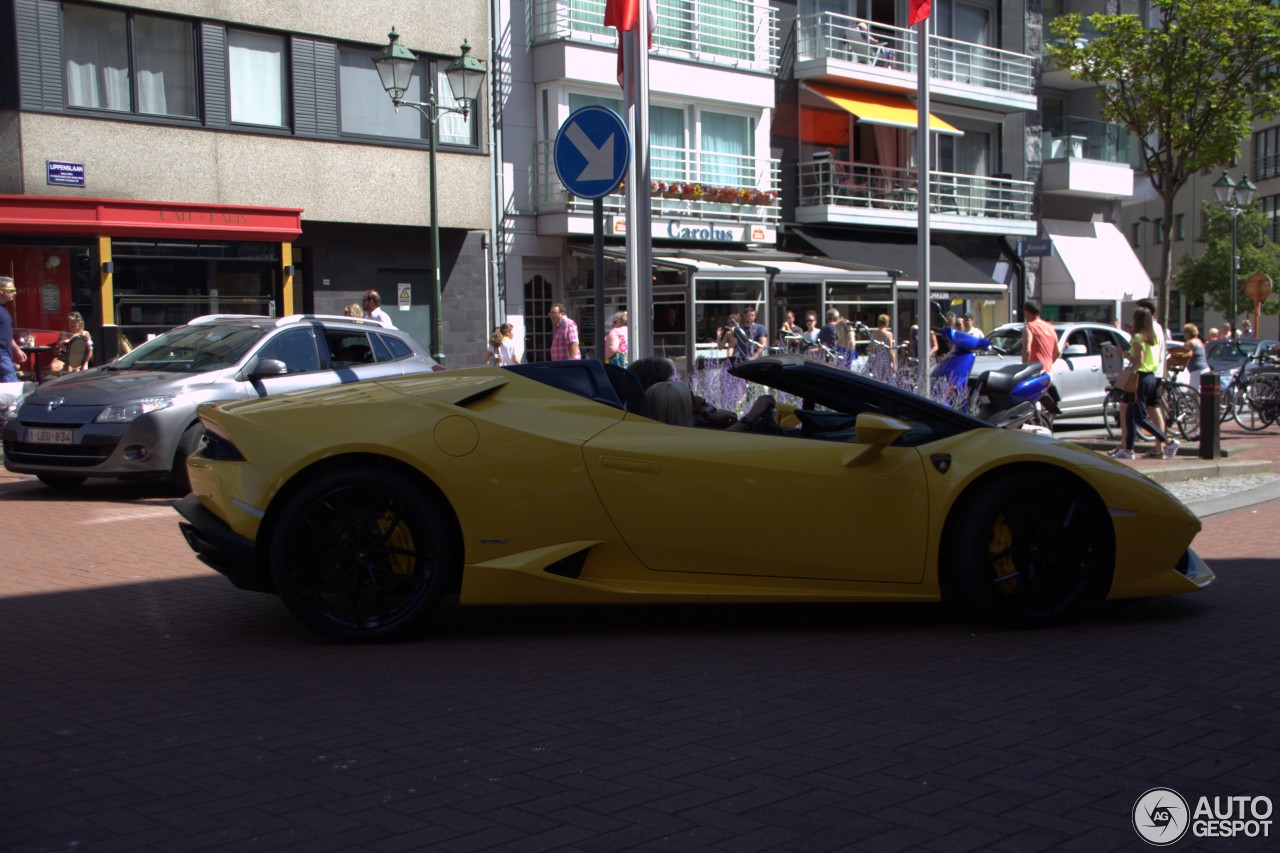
{"type": "Point", "coordinates": [628, 388]}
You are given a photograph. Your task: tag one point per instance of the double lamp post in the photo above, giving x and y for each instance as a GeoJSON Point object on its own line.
{"type": "Point", "coordinates": [395, 64]}
{"type": "Point", "coordinates": [1235, 199]}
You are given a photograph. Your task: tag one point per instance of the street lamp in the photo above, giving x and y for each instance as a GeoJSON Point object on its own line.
{"type": "Point", "coordinates": [466, 74]}
{"type": "Point", "coordinates": [1235, 199]}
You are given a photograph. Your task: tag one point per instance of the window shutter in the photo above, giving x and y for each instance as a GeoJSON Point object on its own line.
{"type": "Point", "coordinates": [39, 31]}
{"type": "Point", "coordinates": [315, 88]}
{"type": "Point", "coordinates": [213, 40]}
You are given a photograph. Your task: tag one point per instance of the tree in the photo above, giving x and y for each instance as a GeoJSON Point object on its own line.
{"type": "Point", "coordinates": [1188, 87]}
{"type": "Point", "coordinates": [1208, 277]}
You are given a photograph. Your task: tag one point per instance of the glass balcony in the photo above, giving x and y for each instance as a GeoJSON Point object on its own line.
{"type": "Point", "coordinates": [880, 46]}
{"type": "Point", "coordinates": [688, 184]}
{"type": "Point", "coordinates": [1088, 139]}
{"type": "Point", "coordinates": [737, 33]}
{"type": "Point", "coordinates": [892, 188]}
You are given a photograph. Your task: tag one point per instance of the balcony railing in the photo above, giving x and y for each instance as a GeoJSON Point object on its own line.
{"type": "Point", "coordinates": [738, 33]}
{"type": "Point", "coordinates": [1091, 139]}
{"type": "Point", "coordinates": [866, 185]}
{"type": "Point", "coordinates": [832, 36]}
{"type": "Point", "coordinates": [686, 183]}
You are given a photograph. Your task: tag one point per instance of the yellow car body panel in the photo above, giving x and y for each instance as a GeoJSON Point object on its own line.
{"type": "Point", "coordinates": [561, 499]}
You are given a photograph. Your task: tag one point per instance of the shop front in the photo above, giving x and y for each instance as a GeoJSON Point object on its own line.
{"type": "Point", "coordinates": [135, 268]}
{"type": "Point", "coordinates": [695, 292]}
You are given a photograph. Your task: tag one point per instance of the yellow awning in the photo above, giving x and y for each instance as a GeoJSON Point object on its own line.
{"type": "Point", "coordinates": [875, 108]}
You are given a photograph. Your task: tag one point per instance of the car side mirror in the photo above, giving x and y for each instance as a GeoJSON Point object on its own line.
{"type": "Point", "coordinates": [268, 367]}
{"type": "Point", "coordinates": [875, 433]}
{"type": "Point", "coordinates": [1075, 349]}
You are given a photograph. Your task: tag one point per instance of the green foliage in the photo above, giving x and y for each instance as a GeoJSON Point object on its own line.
{"type": "Point", "coordinates": [1209, 275]}
{"type": "Point", "coordinates": [1187, 88]}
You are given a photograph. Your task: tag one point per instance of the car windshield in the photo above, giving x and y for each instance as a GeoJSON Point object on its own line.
{"type": "Point", "coordinates": [192, 349]}
{"type": "Point", "coordinates": [1006, 341]}
{"type": "Point", "coordinates": [1228, 351]}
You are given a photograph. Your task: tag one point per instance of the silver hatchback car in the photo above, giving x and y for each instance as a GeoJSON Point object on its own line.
{"type": "Point", "coordinates": [135, 418]}
{"type": "Point", "coordinates": [1079, 382]}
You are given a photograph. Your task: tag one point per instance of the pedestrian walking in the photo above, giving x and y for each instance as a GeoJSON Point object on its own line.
{"type": "Point", "coordinates": [564, 338]}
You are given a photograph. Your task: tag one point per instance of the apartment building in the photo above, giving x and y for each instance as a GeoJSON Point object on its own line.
{"type": "Point", "coordinates": [714, 195]}
{"type": "Point", "coordinates": [846, 129]}
{"type": "Point", "coordinates": [162, 159]}
{"type": "Point", "coordinates": [1087, 176]}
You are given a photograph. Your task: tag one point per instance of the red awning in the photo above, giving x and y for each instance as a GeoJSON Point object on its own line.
{"type": "Point", "coordinates": [118, 217]}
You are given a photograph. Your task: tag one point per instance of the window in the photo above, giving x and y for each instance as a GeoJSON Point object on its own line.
{"type": "Point", "coordinates": [296, 348]}
{"type": "Point", "coordinates": [1266, 153]}
{"type": "Point", "coordinates": [1180, 226]}
{"type": "Point", "coordinates": [1271, 210]}
{"type": "Point", "coordinates": [728, 150]}
{"type": "Point", "coordinates": [255, 64]}
{"type": "Point", "coordinates": [1135, 234]}
{"type": "Point", "coordinates": [367, 111]}
{"type": "Point", "coordinates": [129, 62]}
{"type": "Point", "coordinates": [1157, 226]}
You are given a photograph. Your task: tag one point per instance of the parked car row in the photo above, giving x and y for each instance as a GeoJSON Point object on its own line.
{"type": "Point", "coordinates": [135, 418]}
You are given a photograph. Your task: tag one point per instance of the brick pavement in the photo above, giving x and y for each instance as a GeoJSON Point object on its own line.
{"type": "Point", "coordinates": [149, 705]}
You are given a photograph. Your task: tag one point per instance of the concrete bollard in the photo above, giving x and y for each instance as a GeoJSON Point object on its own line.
{"type": "Point", "coordinates": [1210, 409]}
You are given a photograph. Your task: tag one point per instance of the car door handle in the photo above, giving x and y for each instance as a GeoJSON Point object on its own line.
{"type": "Point", "coordinates": [618, 463]}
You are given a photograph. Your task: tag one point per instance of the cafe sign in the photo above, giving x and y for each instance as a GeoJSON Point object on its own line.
{"type": "Point", "coordinates": [702, 230]}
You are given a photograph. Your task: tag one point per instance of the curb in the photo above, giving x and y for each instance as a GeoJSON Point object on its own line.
{"type": "Point", "coordinates": [1172, 472]}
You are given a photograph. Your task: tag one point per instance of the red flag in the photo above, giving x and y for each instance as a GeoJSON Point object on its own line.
{"type": "Point", "coordinates": [918, 12]}
{"type": "Point", "coordinates": [623, 15]}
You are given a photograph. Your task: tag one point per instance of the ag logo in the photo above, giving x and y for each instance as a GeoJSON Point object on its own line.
{"type": "Point", "coordinates": [1161, 817]}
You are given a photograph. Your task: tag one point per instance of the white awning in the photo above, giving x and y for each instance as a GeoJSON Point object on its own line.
{"type": "Point", "coordinates": [1091, 261]}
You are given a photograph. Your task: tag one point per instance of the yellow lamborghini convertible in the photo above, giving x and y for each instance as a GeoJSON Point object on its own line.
{"type": "Point", "coordinates": [363, 506]}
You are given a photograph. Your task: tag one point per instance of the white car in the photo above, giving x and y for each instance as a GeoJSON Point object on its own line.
{"type": "Point", "coordinates": [1079, 380]}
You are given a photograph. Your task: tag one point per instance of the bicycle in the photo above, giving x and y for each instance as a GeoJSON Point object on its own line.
{"type": "Point", "coordinates": [1258, 402]}
{"type": "Point", "coordinates": [1179, 404]}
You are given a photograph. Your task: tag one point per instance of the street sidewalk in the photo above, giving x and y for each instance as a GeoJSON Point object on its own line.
{"type": "Point", "coordinates": [1243, 453]}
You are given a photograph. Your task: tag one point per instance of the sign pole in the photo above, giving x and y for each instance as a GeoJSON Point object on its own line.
{"type": "Point", "coordinates": [923, 195]}
{"type": "Point", "coordinates": [597, 276]}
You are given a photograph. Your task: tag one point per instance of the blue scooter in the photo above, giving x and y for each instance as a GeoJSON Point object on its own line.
{"type": "Point", "coordinates": [1006, 396]}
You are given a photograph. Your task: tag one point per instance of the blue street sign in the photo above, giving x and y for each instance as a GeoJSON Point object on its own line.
{"type": "Point", "coordinates": [62, 173]}
{"type": "Point", "coordinates": [1035, 247]}
{"type": "Point", "coordinates": [592, 151]}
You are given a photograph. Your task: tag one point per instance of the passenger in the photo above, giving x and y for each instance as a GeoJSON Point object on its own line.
{"type": "Point", "coordinates": [652, 370]}
{"type": "Point", "coordinates": [353, 310]}
{"type": "Point", "coordinates": [669, 402]}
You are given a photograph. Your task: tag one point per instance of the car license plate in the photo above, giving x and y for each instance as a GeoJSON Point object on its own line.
{"type": "Point", "coordinates": [49, 436]}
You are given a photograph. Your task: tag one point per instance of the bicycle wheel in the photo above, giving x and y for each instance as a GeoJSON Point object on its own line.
{"type": "Point", "coordinates": [1184, 410]}
{"type": "Point", "coordinates": [1263, 392]}
{"type": "Point", "coordinates": [1111, 415]}
{"type": "Point", "coordinates": [1229, 401]}
{"type": "Point", "coordinates": [1252, 411]}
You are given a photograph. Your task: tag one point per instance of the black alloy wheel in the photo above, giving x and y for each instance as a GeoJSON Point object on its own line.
{"type": "Point", "coordinates": [362, 555]}
{"type": "Point", "coordinates": [1028, 549]}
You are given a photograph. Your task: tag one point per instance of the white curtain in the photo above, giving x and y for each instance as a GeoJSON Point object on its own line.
{"type": "Point", "coordinates": [256, 65]}
{"type": "Point", "coordinates": [97, 49]}
{"type": "Point", "coordinates": [727, 150]}
{"type": "Point", "coordinates": [454, 129]}
{"type": "Point", "coordinates": [666, 144]}
{"type": "Point", "coordinates": [166, 66]}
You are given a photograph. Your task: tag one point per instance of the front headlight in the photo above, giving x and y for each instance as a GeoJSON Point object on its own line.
{"type": "Point", "coordinates": [123, 413]}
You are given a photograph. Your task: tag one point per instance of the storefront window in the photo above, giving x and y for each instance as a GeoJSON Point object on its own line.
{"type": "Point", "coordinates": [52, 281]}
{"type": "Point", "coordinates": [716, 298]}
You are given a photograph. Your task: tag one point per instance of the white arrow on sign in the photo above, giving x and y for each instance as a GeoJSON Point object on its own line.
{"type": "Point", "coordinates": [599, 160]}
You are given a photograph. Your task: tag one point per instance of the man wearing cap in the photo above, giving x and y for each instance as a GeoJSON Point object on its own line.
{"type": "Point", "coordinates": [7, 293]}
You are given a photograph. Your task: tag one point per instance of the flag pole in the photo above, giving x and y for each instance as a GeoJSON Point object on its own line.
{"type": "Point", "coordinates": [635, 45]}
{"type": "Point", "coordinates": [923, 197]}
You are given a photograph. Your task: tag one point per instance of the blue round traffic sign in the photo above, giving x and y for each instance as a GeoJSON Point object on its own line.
{"type": "Point", "coordinates": [592, 151]}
